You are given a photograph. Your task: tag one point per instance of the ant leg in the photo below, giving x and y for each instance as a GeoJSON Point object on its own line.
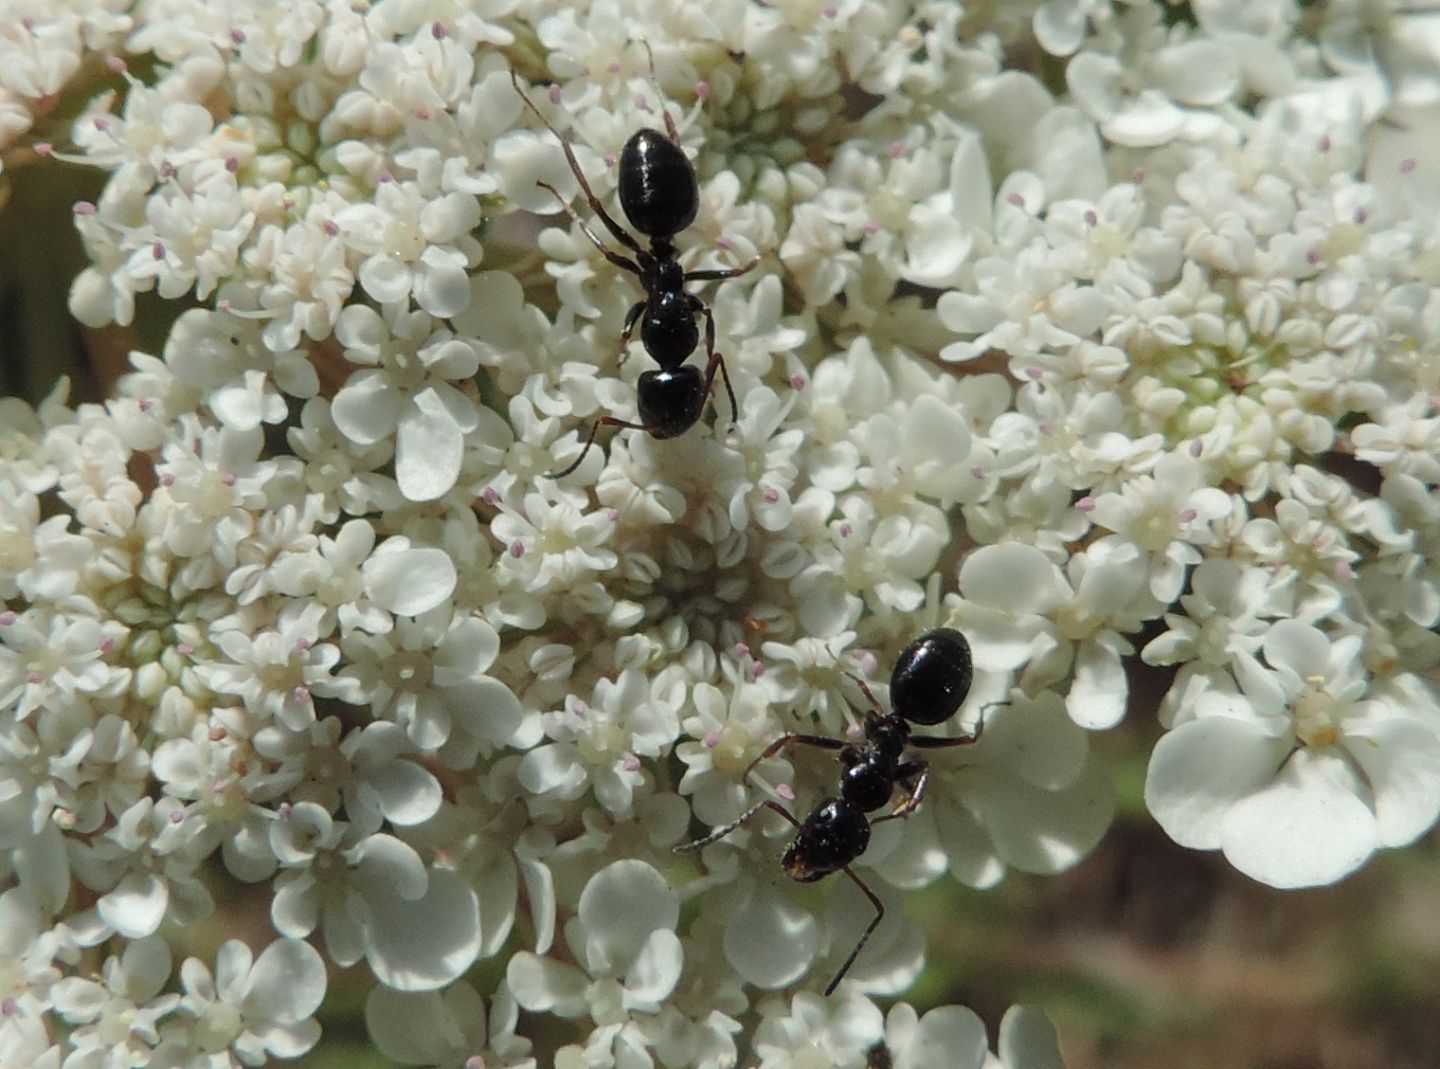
{"type": "Point", "coordinates": [824, 742]}
{"type": "Point", "coordinates": [621, 235]}
{"type": "Point", "coordinates": [623, 262]}
{"type": "Point", "coordinates": [940, 742]}
{"type": "Point", "coordinates": [631, 318]}
{"type": "Point", "coordinates": [913, 795]}
{"type": "Point", "coordinates": [869, 694]}
{"type": "Point", "coordinates": [716, 359]}
{"type": "Point", "coordinates": [670, 130]}
{"type": "Point", "coordinates": [732, 272]}
{"type": "Point", "coordinates": [874, 923]}
{"type": "Point", "coordinates": [603, 421]}
{"type": "Point", "coordinates": [725, 829]}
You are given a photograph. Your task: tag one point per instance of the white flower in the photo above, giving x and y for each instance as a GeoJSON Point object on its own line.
{"type": "Point", "coordinates": [623, 938]}
{"type": "Point", "coordinates": [1165, 516]}
{"type": "Point", "coordinates": [444, 1028]}
{"type": "Point", "coordinates": [255, 1007]}
{"type": "Point", "coordinates": [1021, 611]}
{"type": "Point", "coordinates": [428, 676]}
{"type": "Point", "coordinates": [414, 245]}
{"type": "Point", "coordinates": [816, 1031]}
{"type": "Point", "coordinates": [275, 672]}
{"type": "Point", "coordinates": [1155, 89]}
{"type": "Point", "coordinates": [552, 545]}
{"type": "Point", "coordinates": [308, 279]}
{"type": "Point", "coordinates": [598, 743]}
{"type": "Point", "coordinates": [408, 396]}
{"type": "Point", "coordinates": [1301, 772]}
{"type": "Point", "coordinates": [952, 1033]}
{"type": "Point", "coordinates": [51, 658]}
{"type": "Point", "coordinates": [418, 927]}
{"type": "Point", "coordinates": [116, 1017]}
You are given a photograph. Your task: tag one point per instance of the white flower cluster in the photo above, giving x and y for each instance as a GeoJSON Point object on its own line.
{"type": "Point", "coordinates": [1151, 364]}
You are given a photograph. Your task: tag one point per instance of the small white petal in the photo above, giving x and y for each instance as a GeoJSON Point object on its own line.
{"type": "Point", "coordinates": [428, 448]}
{"type": "Point", "coordinates": [408, 793]}
{"type": "Point", "coordinates": [619, 908]}
{"type": "Point", "coordinates": [655, 972]}
{"type": "Point", "coordinates": [1199, 770]}
{"type": "Point", "coordinates": [409, 581]}
{"type": "Point", "coordinates": [1028, 1040]}
{"type": "Point", "coordinates": [1307, 828]}
{"type": "Point", "coordinates": [544, 986]}
{"type": "Point", "coordinates": [385, 278]}
{"type": "Point", "coordinates": [1401, 759]}
{"type": "Point", "coordinates": [137, 905]}
{"type": "Point", "coordinates": [952, 1036]}
{"type": "Point", "coordinates": [287, 983]}
{"type": "Point", "coordinates": [424, 944]}
{"type": "Point", "coordinates": [770, 941]}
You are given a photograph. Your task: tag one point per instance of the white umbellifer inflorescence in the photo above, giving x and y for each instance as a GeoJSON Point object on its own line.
{"type": "Point", "coordinates": [1138, 364]}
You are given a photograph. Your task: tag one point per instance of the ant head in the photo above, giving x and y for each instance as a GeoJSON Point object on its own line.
{"type": "Point", "coordinates": [932, 677]}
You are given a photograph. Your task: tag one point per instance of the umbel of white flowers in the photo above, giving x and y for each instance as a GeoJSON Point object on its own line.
{"type": "Point", "coordinates": [1143, 365]}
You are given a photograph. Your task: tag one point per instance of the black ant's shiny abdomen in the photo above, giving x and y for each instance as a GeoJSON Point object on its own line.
{"type": "Point", "coordinates": [658, 190]}
{"type": "Point", "coordinates": [932, 677]}
{"type": "Point", "coordinates": [670, 400]}
{"type": "Point", "coordinates": [833, 835]}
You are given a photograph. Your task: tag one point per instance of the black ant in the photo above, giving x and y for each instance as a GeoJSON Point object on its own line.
{"type": "Point", "coordinates": [660, 196]}
{"type": "Point", "coordinates": [928, 685]}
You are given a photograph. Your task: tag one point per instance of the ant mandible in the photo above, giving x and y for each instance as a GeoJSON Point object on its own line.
{"type": "Point", "coordinates": [660, 196]}
{"type": "Point", "coordinates": [928, 685]}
